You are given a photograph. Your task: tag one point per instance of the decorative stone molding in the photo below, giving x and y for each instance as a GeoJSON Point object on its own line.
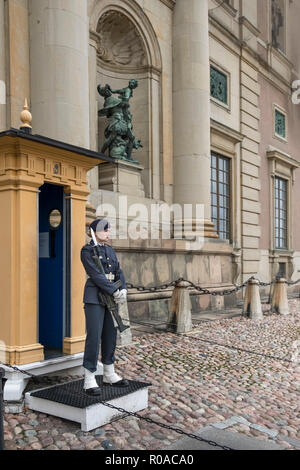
{"type": "Point", "coordinates": [138, 18]}
{"type": "Point", "coordinates": [122, 177]}
{"type": "Point", "coordinates": [119, 42]}
{"type": "Point", "coordinates": [282, 163]}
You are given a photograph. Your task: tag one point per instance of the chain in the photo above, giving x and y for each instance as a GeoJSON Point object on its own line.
{"type": "Point", "coordinates": [292, 283]}
{"type": "Point", "coordinates": [129, 413]}
{"type": "Point", "coordinates": [166, 426]}
{"type": "Point", "coordinates": [202, 289]}
{"type": "Point", "coordinates": [39, 380]}
{"type": "Point", "coordinates": [198, 288]}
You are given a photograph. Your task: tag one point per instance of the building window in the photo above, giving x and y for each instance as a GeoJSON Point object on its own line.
{"type": "Point", "coordinates": [280, 213]}
{"type": "Point", "coordinates": [220, 195]}
{"type": "Point", "coordinates": [218, 85]}
{"type": "Point", "coordinates": [280, 124]}
{"type": "Point", "coordinates": [278, 24]}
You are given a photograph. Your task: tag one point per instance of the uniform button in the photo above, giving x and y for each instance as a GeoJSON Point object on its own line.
{"type": "Point", "coordinates": [109, 265]}
{"type": "Point", "coordinates": [107, 258]}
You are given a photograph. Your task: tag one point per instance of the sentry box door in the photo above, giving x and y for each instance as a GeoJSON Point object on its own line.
{"type": "Point", "coordinates": [52, 272]}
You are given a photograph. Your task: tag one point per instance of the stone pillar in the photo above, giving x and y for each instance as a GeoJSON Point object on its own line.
{"type": "Point", "coordinates": [191, 108]}
{"type": "Point", "coordinates": [280, 299]}
{"type": "Point", "coordinates": [252, 303]}
{"type": "Point", "coordinates": [3, 125]}
{"type": "Point", "coordinates": [180, 309]}
{"type": "Point", "coordinates": [59, 41]}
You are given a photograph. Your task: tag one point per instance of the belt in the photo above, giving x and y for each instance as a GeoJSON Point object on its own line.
{"type": "Point", "coordinates": [109, 276]}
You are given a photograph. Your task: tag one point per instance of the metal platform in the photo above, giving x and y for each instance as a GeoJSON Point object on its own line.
{"type": "Point", "coordinates": [69, 401]}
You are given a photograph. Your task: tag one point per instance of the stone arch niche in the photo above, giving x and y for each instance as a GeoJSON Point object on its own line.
{"type": "Point", "coordinates": [125, 47]}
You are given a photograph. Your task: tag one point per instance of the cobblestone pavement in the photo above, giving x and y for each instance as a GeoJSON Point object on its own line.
{"type": "Point", "coordinates": [194, 384]}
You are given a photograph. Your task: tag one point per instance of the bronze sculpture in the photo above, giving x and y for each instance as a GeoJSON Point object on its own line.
{"type": "Point", "coordinates": [119, 137]}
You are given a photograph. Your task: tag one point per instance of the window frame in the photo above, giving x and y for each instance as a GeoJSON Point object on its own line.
{"type": "Point", "coordinates": [283, 166]}
{"type": "Point", "coordinates": [281, 110]}
{"type": "Point", "coordinates": [228, 221]}
{"type": "Point", "coordinates": [286, 210]}
{"type": "Point", "coordinates": [219, 68]}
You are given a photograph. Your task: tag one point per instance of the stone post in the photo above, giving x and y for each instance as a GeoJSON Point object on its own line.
{"type": "Point", "coordinates": [180, 309]}
{"type": "Point", "coordinates": [191, 109]}
{"type": "Point", "coordinates": [279, 299]}
{"type": "Point", "coordinates": [124, 338]}
{"type": "Point", "coordinates": [252, 304]}
{"type": "Point", "coordinates": [59, 41]}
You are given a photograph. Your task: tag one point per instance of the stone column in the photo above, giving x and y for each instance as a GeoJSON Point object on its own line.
{"type": "Point", "coordinates": [59, 41]}
{"type": "Point", "coordinates": [191, 108]}
{"type": "Point", "coordinates": [2, 70]}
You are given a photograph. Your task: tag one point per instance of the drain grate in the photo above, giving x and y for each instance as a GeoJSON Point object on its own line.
{"type": "Point", "coordinates": [72, 393]}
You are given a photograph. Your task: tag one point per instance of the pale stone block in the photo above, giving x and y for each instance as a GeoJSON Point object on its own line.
{"type": "Point", "coordinates": [250, 108]}
{"type": "Point", "coordinates": [249, 70]}
{"type": "Point", "coordinates": [250, 133]}
{"type": "Point", "coordinates": [250, 145]}
{"type": "Point", "coordinates": [215, 269]}
{"type": "Point", "coordinates": [251, 157]}
{"type": "Point", "coordinates": [249, 193]}
{"type": "Point", "coordinates": [250, 267]}
{"type": "Point", "coordinates": [250, 218]}
{"type": "Point", "coordinates": [162, 268]}
{"type": "Point", "coordinates": [250, 242]}
{"type": "Point", "coordinates": [250, 169]}
{"type": "Point", "coordinates": [264, 266]}
{"type": "Point", "coordinates": [251, 255]}
{"type": "Point", "coordinates": [251, 182]}
{"type": "Point", "coordinates": [251, 230]}
{"type": "Point", "coordinates": [249, 120]}
{"type": "Point", "coordinates": [249, 95]}
{"type": "Point", "coordinates": [251, 206]}
{"type": "Point", "coordinates": [147, 271]}
{"type": "Point", "coordinates": [251, 84]}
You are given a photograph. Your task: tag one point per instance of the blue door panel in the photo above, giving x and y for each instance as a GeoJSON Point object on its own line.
{"type": "Point", "coordinates": [51, 269]}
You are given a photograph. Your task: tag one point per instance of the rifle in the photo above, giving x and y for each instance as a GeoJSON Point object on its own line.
{"type": "Point", "coordinates": [106, 299]}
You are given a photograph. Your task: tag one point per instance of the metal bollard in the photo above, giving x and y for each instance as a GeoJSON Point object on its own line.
{"type": "Point", "coordinates": [180, 311]}
{"type": "Point", "coordinates": [3, 380]}
{"type": "Point", "coordinates": [280, 301]}
{"type": "Point", "coordinates": [252, 304]}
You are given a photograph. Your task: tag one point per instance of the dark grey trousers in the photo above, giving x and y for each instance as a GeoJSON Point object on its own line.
{"type": "Point", "coordinates": [99, 328]}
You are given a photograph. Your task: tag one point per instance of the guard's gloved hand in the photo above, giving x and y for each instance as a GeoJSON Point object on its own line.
{"type": "Point", "coordinates": [117, 295]}
{"type": "Point", "coordinates": [123, 296]}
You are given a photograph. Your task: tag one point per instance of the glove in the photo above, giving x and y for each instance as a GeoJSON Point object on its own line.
{"type": "Point", "coordinates": [123, 296]}
{"type": "Point", "coordinates": [123, 293]}
{"type": "Point", "coordinates": [117, 295]}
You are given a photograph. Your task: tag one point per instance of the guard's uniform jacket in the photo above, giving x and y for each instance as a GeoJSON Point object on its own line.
{"type": "Point", "coordinates": [96, 279]}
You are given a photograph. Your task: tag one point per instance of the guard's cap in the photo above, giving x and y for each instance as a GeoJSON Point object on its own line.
{"type": "Point", "coordinates": [99, 225]}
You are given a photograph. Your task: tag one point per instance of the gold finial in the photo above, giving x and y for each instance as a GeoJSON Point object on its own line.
{"type": "Point", "coordinates": [26, 118]}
